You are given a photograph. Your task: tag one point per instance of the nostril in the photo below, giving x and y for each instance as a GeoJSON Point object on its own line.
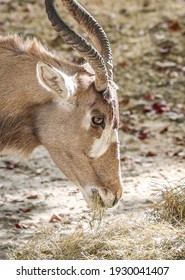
{"type": "Point", "coordinates": [115, 201]}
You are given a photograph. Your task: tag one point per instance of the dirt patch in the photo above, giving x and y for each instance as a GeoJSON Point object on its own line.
{"type": "Point", "coordinates": [148, 42]}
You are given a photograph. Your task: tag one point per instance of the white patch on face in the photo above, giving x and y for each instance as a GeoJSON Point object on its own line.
{"type": "Point", "coordinates": [101, 145]}
{"type": "Point", "coordinates": [86, 122]}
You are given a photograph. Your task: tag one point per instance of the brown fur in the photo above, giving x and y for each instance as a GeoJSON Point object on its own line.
{"type": "Point", "coordinates": [30, 116]}
{"type": "Point", "coordinates": [21, 94]}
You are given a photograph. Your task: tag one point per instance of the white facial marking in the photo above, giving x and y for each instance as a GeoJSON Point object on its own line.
{"type": "Point", "coordinates": [86, 122]}
{"type": "Point", "coordinates": [101, 144]}
{"type": "Point", "coordinates": [115, 136]}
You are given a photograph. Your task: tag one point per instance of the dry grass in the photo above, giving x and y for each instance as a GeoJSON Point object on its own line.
{"type": "Point", "coordinates": [124, 238]}
{"type": "Point", "coordinates": [171, 205]}
{"type": "Point", "coordinates": [98, 211]}
{"type": "Point", "coordinates": [120, 239]}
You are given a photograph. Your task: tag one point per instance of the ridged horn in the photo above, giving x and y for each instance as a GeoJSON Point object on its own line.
{"type": "Point", "coordinates": [85, 49]}
{"type": "Point", "coordinates": [94, 30]}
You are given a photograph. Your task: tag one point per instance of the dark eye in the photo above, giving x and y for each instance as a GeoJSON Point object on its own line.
{"type": "Point", "coordinates": [98, 120]}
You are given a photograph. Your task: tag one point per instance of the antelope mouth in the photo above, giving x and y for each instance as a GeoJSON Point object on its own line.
{"type": "Point", "coordinates": [97, 200]}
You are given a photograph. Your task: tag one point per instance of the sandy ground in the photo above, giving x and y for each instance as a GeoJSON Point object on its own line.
{"type": "Point", "coordinates": [152, 136]}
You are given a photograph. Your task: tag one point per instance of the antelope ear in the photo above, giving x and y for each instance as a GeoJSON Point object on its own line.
{"type": "Point", "coordinates": [55, 80]}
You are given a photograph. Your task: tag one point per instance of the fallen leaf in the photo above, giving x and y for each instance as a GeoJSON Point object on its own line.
{"type": "Point", "coordinates": [55, 218]}
{"type": "Point", "coordinates": [8, 214]}
{"type": "Point", "coordinates": [16, 200]}
{"type": "Point", "coordinates": [34, 196]}
{"type": "Point", "coordinates": [20, 226]}
{"type": "Point", "coordinates": [177, 153]}
{"type": "Point", "coordinates": [142, 135]}
{"type": "Point", "coordinates": [164, 130]}
{"type": "Point", "coordinates": [173, 25]}
{"type": "Point", "coordinates": [12, 165]}
{"type": "Point", "coordinates": [124, 102]}
{"type": "Point", "coordinates": [122, 64]}
{"type": "Point", "coordinates": [180, 140]}
{"type": "Point", "coordinates": [160, 108]}
{"type": "Point", "coordinates": [126, 158]}
{"type": "Point", "coordinates": [150, 154]}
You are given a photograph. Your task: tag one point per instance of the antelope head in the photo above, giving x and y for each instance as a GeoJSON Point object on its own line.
{"type": "Point", "coordinates": [84, 140]}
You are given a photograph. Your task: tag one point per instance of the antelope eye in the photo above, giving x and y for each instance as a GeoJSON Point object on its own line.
{"type": "Point", "coordinates": [98, 120]}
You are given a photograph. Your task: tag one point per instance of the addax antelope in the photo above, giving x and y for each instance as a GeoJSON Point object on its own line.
{"type": "Point", "coordinates": [70, 109]}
